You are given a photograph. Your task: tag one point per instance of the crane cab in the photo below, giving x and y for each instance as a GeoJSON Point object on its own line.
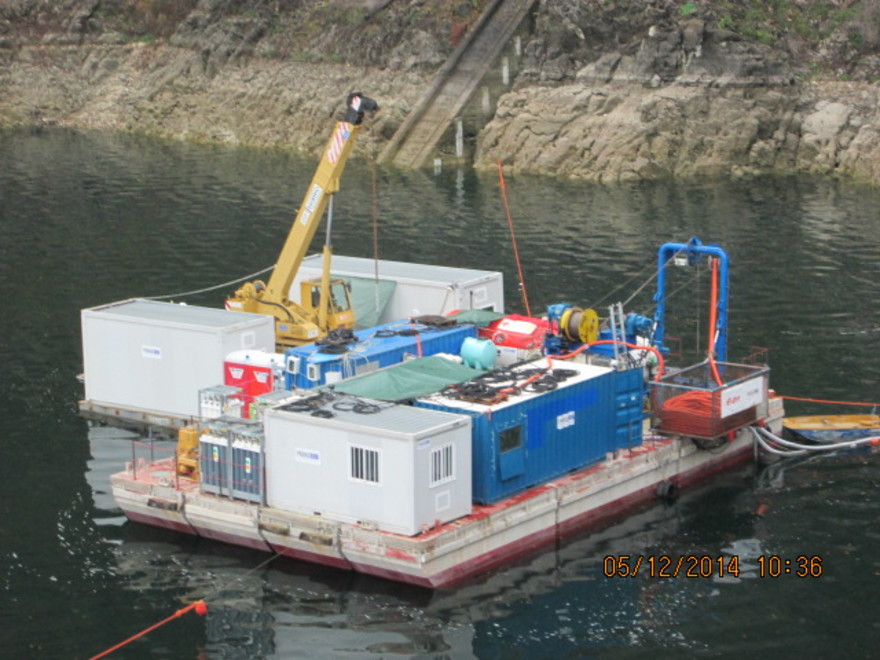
{"type": "Point", "coordinates": [339, 307]}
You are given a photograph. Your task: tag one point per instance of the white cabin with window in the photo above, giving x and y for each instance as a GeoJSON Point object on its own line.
{"type": "Point", "coordinates": [390, 467]}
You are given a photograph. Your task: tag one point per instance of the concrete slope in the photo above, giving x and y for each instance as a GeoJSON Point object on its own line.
{"type": "Point", "coordinates": [454, 84]}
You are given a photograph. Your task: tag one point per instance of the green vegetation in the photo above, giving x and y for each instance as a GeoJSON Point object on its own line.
{"type": "Point", "coordinates": [768, 20]}
{"type": "Point", "coordinates": [843, 30]}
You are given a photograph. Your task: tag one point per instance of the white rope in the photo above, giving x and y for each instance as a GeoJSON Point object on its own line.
{"type": "Point", "coordinates": [211, 288]}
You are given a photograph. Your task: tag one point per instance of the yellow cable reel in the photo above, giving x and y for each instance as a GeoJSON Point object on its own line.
{"type": "Point", "coordinates": [581, 325]}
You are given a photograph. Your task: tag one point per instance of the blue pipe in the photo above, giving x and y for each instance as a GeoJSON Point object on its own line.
{"type": "Point", "coordinates": [693, 249]}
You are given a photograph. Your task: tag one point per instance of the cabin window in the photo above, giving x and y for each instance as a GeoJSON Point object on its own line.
{"type": "Point", "coordinates": [442, 464]}
{"type": "Point", "coordinates": [510, 439]}
{"type": "Point", "coordinates": [365, 464]}
{"type": "Point", "coordinates": [339, 296]}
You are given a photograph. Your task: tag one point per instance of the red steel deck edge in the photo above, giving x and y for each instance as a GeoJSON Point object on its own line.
{"type": "Point", "coordinates": [489, 537]}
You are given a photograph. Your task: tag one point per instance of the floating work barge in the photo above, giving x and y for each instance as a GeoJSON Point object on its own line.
{"type": "Point", "coordinates": [488, 537]}
{"type": "Point", "coordinates": [438, 468]}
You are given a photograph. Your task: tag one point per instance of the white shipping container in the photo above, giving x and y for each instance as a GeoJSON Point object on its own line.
{"type": "Point", "coordinates": [157, 356]}
{"type": "Point", "coordinates": [418, 288]}
{"type": "Point", "coordinates": [397, 469]}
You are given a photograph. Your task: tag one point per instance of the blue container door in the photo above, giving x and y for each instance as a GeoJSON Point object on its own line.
{"type": "Point", "coordinates": [629, 392]}
{"type": "Point", "coordinates": [511, 443]}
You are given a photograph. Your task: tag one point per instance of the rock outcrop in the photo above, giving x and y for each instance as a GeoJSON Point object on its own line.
{"type": "Point", "coordinates": [618, 131]}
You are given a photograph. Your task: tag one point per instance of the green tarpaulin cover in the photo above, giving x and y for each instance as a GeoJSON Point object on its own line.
{"type": "Point", "coordinates": [369, 297]}
{"type": "Point", "coordinates": [408, 380]}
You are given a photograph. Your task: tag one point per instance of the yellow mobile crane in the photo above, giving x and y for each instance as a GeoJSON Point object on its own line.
{"type": "Point", "coordinates": [326, 304]}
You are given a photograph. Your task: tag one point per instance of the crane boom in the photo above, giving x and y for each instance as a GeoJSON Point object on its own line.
{"type": "Point", "coordinates": [298, 323]}
{"type": "Point", "coordinates": [324, 183]}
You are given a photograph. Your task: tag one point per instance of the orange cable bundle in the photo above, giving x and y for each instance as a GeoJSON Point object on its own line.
{"type": "Point", "coordinates": [691, 413]}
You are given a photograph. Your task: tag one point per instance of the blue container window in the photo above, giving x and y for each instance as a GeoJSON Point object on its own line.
{"type": "Point", "coordinates": [510, 439]}
{"type": "Point", "coordinates": [512, 459]}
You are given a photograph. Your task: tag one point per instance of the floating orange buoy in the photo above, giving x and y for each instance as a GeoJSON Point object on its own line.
{"type": "Point", "coordinates": [200, 607]}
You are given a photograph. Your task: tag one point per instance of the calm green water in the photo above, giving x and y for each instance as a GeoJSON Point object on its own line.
{"type": "Point", "coordinates": [88, 219]}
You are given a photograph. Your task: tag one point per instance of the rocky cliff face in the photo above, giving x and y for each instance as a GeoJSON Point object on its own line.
{"type": "Point", "coordinates": [614, 132]}
{"type": "Point", "coordinates": [684, 99]}
{"type": "Point", "coordinates": [604, 91]}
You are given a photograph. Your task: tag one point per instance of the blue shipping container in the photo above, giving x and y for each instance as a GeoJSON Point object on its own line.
{"type": "Point", "coordinates": [382, 346]}
{"type": "Point", "coordinates": [534, 437]}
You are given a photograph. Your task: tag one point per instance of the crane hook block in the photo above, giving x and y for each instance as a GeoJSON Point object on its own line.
{"type": "Point", "coordinates": [356, 105]}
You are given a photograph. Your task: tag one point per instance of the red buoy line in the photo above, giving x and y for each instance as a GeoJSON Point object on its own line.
{"type": "Point", "coordinates": [519, 270]}
{"type": "Point", "coordinates": [837, 403]}
{"type": "Point", "coordinates": [200, 607]}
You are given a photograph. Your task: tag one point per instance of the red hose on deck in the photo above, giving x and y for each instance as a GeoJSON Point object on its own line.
{"type": "Point", "coordinates": [661, 363]}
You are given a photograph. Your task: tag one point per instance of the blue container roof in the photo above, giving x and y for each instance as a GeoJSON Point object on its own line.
{"type": "Point", "coordinates": [395, 336]}
{"type": "Point", "coordinates": [583, 372]}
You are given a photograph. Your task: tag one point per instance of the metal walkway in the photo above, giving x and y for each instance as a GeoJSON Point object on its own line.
{"type": "Point", "coordinates": [454, 84]}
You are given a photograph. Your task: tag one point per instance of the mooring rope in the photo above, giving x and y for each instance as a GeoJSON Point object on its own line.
{"type": "Point", "coordinates": [184, 294]}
